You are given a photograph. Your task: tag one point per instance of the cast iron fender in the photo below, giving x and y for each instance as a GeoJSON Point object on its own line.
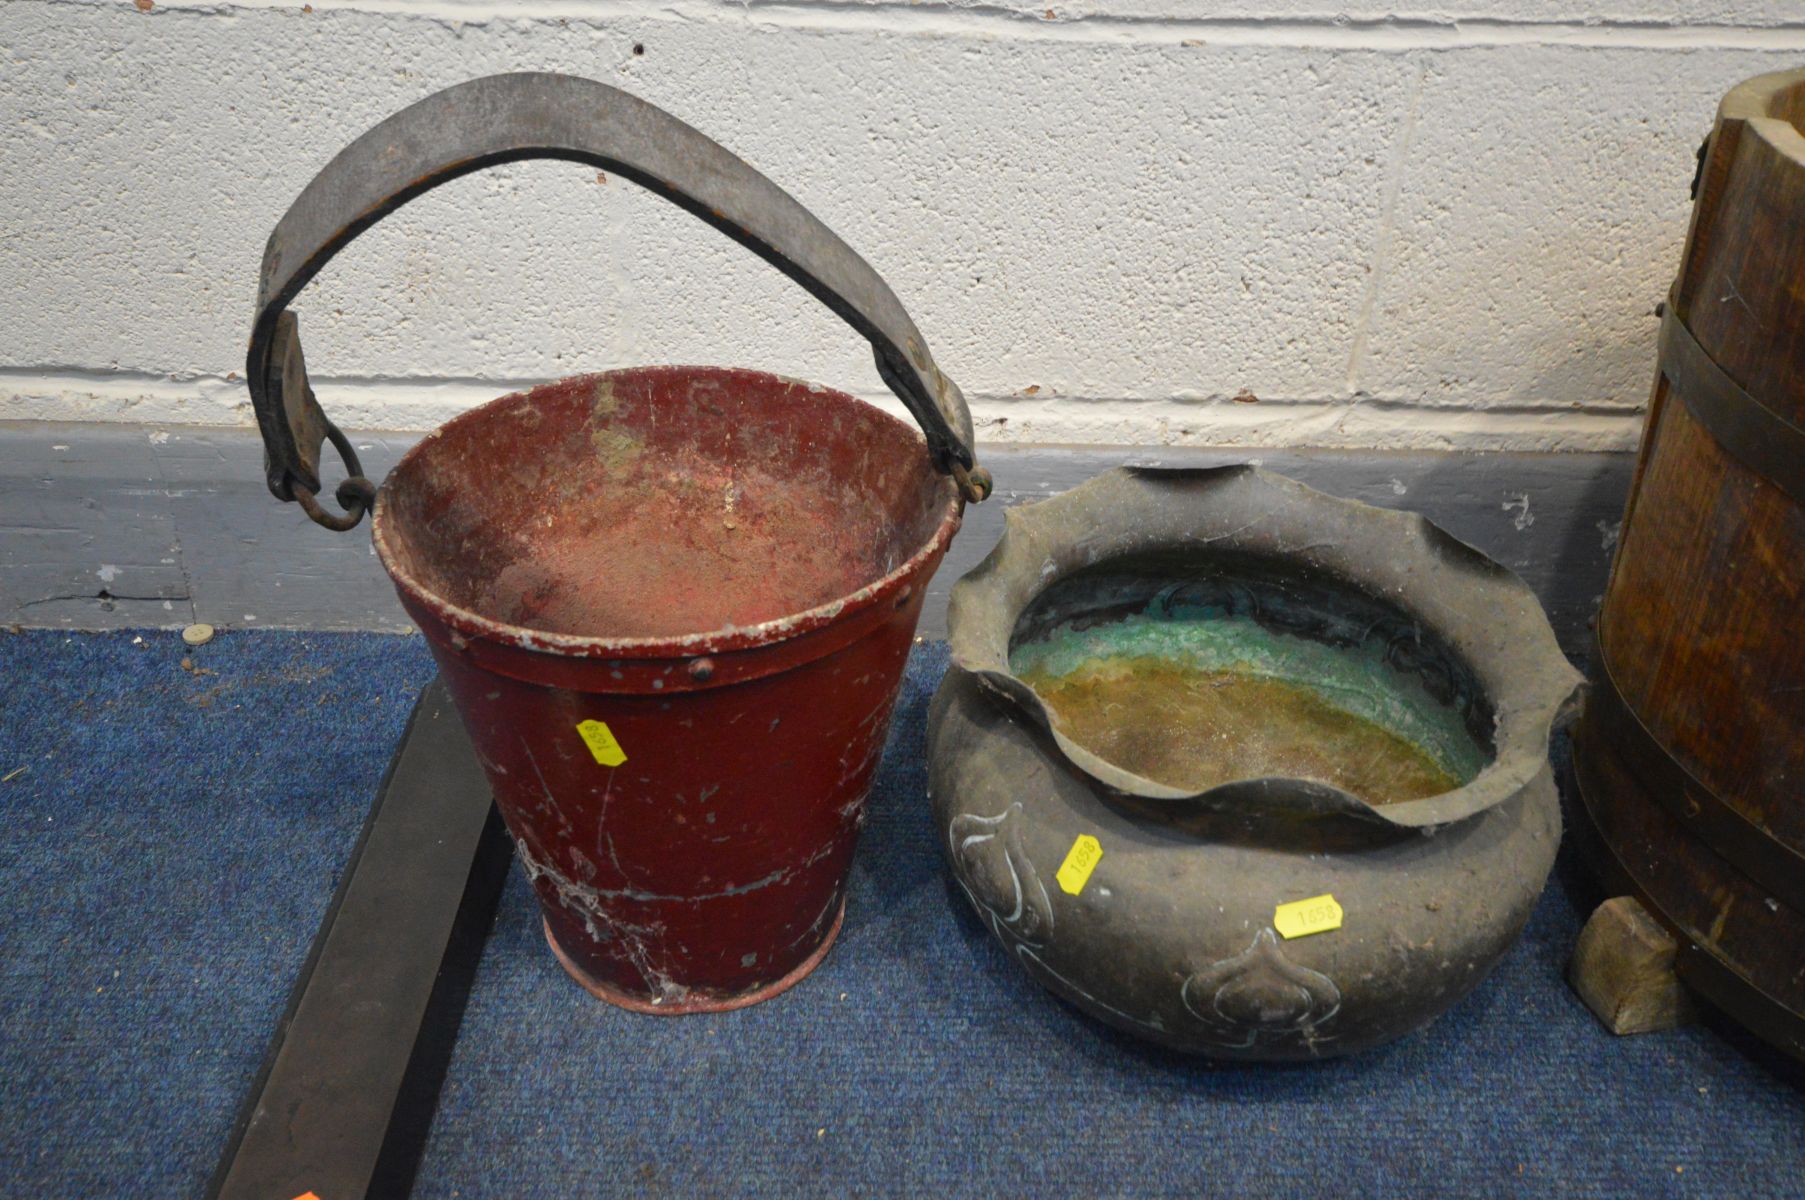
{"type": "Point", "coordinates": [1172, 936]}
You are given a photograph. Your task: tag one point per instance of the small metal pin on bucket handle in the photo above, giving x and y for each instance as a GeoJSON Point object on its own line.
{"type": "Point", "coordinates": [504, 118]}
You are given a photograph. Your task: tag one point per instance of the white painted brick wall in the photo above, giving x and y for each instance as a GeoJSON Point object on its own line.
{"type": "Point", "coordinates": [1397, 225]}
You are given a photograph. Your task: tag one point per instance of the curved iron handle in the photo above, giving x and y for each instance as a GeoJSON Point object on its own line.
{"type": "Point", "coordinates": [505, 118]}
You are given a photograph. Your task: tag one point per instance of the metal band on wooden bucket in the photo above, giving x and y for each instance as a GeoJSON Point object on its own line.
{"type": "Point", "coordinates": [1743, 843]}
{"type": "Point", "coordinates": [1751, 431]}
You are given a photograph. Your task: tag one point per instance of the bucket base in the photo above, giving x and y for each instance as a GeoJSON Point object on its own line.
{"type": "Point", "coordinates": [697, 1002]}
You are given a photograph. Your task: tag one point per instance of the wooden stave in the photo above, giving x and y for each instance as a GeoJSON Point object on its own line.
{"type": "Point", "coordinates": [1694, 624]}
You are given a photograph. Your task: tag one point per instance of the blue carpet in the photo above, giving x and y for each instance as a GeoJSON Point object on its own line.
{"type": "Point", "coordinates": [170, 843]}
{"type": "Point", "coordinates": [186, 831]}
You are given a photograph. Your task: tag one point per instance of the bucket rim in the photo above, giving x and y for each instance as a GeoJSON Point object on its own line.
{"type": "Point", "coordinates": [1481, 609]}
{"type": "Point", "coordinates": [470, 624]}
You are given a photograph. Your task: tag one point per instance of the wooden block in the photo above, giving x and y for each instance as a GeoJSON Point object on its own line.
{"type": "Point", "coordinates": [1622, 968]}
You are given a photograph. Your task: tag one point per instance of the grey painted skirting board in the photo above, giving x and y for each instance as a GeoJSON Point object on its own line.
{"type": "Point", "coordinates": [116, 526]}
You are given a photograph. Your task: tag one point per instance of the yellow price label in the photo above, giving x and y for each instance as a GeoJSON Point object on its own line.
{"type": "Point", "coordinates": [1318, 914]}
{"type": "Point", "coordinates": [601, 742]}
{"type": "Point", "coordinates": [1080, 861]}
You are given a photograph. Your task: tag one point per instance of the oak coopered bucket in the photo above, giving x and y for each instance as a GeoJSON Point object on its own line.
{"type": "Point", "coordinates": [1691, 754]}
{"type": "Point", "coordinates": [673, 604]}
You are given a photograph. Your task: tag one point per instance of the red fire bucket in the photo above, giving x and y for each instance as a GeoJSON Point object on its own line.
{"type": "Point", "coordinates": [673, 604]}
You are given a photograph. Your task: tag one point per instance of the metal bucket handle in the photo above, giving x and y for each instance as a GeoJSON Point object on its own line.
{"type": "Point", "coordinates": [504, 118]}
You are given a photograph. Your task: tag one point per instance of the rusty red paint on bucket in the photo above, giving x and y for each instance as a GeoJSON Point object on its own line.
{"type": "Point", "coordinates": [672, 604]}
{"type": "Point", "coordinates": [724, 569]}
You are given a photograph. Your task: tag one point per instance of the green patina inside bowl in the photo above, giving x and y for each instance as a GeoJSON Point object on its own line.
{"type": "Point", "coordinates": [1194, 686]}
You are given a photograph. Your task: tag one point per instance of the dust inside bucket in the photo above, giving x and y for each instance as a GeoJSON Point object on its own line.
{"type": "Point", "coordinates": [658, 503]}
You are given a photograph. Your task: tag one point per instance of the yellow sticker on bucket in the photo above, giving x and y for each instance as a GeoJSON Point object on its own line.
{"type": "Point", "coordinates": [601, 742]}
{"type": "Point", "coordinates": [1080, 861]}
{"type": "Point", "coordinates": [1318, 914]}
